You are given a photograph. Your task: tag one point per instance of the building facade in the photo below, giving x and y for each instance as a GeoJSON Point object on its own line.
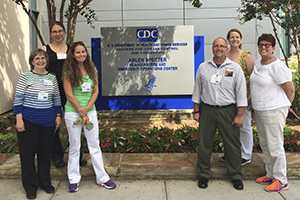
{"type": "Point", "coordinates": [14, 50]}
{"type": "Point", "coordinates": [213, 19]}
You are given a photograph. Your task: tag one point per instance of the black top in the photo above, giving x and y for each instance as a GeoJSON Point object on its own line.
{"type": "Point", "coordinates": [56, 67]}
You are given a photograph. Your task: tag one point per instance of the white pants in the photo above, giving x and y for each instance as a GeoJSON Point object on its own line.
{"type": "Point", "coordinates": [92, 137]}
{"type": "Point", "coordinates": [246, 136]}
{"type": "Point", "coordinates": [270, 126]}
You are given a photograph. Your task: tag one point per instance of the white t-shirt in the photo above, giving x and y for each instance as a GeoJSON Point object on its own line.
{"type": "Point", "coordinates": [265, 81]}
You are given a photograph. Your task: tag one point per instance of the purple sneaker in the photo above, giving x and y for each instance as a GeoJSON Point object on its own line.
{"type": "Point", "coordinates": [110, 185]}
{"type": "Point", "coordinates": [73, 187]}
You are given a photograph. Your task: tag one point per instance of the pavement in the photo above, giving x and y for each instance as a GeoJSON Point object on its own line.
{"type": "Point", "coordinates": [154, 177]}
{"type": "Point", "coordinates": [11, 189]}
{"type": "Point", "coordinates": [154, 166]}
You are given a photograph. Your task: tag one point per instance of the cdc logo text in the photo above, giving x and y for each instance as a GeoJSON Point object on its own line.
{"type": "Point", "coordinates": [147, 34]}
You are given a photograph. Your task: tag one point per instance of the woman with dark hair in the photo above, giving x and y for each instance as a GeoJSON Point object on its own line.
{"type": "Point", "coordinates": [272, 92]}
{"type": "Point", "coordinates": [38, 112]}
{"type": "Point", "coordinates": [81, 89]}
{"type": "Point", "coordinates": [57, 53]}
{"type": "Point", "coordinates": [246, 61]}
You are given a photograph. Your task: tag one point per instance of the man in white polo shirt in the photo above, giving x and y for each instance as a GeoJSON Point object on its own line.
{"type": "Point", "coordinates": [220, 101]}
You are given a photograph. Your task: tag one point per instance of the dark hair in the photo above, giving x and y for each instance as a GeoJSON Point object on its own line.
{"type": "Point", "coordinates": [58, 23]}
{"type": "Point", "coordinates": [267, 37]}
{"type": "Point", "coordinates": [71, 70]}
{"type": "Point", "coordinates": [237, 31]}
{"type": "Point", "coordinates": [34, 54]}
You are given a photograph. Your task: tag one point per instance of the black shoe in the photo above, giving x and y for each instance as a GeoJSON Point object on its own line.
{"type": "Point", "coordinates": [245, 162]}
{"type": "Point", "coordinates": [31, 195]}
{"type": "Point", "coordinates": [238, 184]}
{"type": "Point", "coordinates": [202, 182]}
{"type": "Point", "coordinates": [82, 163]}
{"type": "Point", "coordinates": [223, 158]}
{"type": "Point", "coordinates": [48, 189]}
{"type": "Point", "coordinates": [59, 163]}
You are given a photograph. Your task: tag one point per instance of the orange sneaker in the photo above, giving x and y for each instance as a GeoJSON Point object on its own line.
{"type": "Point", "coordinates": [264, 180]}
{"type": "Point", "coordinates": [276, 186]}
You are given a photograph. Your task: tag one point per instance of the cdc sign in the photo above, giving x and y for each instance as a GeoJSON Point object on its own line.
{"type": "Point", "coordinates": [147, 34]}
{"type": "Point", "coordinates": [147, 61]}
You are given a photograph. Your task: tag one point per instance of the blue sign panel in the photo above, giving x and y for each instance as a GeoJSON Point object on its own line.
{"type": "Point", "coordinates": [145, 102]}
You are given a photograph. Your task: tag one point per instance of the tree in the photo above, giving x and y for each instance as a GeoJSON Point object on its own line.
{"type": "Point", "coordinates": [32, 19]}
{"type": "Point", "coordinates": [197, 3]}
{"type": "Point", "coordinates": [285, 13]}
{"type": "Point", "coordinates": [74, 8]}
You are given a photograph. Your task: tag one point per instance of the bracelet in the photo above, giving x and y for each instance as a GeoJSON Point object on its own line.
{"type": "Point", "coordinates": [194, 112]}
{"type": "Point", "coordinates": [58, 115]}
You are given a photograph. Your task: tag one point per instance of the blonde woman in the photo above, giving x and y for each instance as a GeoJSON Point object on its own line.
{"type": "Point", "coordinates": [246, 61]}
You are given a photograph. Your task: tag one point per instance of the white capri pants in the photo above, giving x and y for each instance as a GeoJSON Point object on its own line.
{"type": "Point", "coordinates": [92, 137]}
{"type": "Point", "coordinates": [246, 136]}
{"type": "Point", "coordinates": [270, 126]}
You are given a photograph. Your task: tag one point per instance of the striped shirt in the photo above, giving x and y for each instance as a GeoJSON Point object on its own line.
{"type": "Point", "coordinates": [37, 98]}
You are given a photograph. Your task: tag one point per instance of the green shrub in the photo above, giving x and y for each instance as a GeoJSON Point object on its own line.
{"type": "Point", "coordinates": [291, 140]}
{"type": "Point", "coordinates": [160, 140]}
{"type": "Point", "coordinates": [155, 140]}
{"type": "Point", "coordinates": [8, 142]}
{"type": "Point", "coordinates": [256, 146]}
{"type": "Point", "coordinates": [293, 64]}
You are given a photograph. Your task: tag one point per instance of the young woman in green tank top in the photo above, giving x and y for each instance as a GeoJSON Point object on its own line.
{"type": "Point", "coordinates": [81, 89]}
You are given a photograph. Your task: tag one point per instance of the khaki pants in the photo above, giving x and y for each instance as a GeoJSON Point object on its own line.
{"type": "Point", "coordinates": [270, 126]}
{"type": "Point", "coordinates": [221, 118]}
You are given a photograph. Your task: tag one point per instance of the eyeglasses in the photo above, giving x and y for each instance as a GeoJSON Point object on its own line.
{"type": "Point", "coordinates": [39, 58]}
{"type": "Point", "coordinates": [219, 46]}
{"type": "Point", "coordinates": [58, 31]}
{"type": "Point", "coordinates": [266, 45]}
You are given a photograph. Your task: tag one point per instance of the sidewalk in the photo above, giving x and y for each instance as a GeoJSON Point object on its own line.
{"type": "Point", "coordinates": [153, 177]}
{"type": "Point", "coordinates": [154, 166]}
{"type": "Point", "coordinates": [11, 189]}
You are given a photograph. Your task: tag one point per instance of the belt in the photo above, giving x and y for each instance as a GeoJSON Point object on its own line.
{"type": "Point", "coordinates": [218, 106]}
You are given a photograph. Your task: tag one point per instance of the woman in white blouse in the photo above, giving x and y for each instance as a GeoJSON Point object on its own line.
{"type": "Point", "coordinates": [272, 92]}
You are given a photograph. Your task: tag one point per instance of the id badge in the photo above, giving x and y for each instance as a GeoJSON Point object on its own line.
{"type": "Point", "coordinates": [61, 56]}
{"type": "Point", "coordinates": [228, 72]}
{"type": "Point", "coordinates": [86, 87]}
{"type": "Point", "coordinates": [216, 78]}
{"type": "Point", "coordinates": [47, 82]}
{"type": "Point", "coordinates": [43, 96]}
